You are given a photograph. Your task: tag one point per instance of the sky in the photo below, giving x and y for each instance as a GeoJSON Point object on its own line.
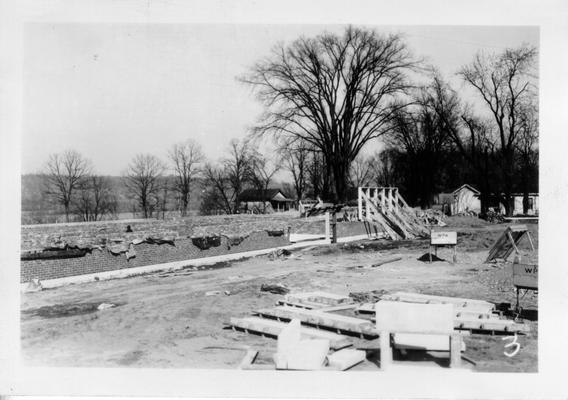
{"type": "Point", "coordinates": [111, 91]}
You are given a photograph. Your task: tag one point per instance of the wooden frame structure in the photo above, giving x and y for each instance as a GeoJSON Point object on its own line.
{"type": "Point", "coordinates": [386, 214]}
{"type": "Point", "coordinates": [508, 242]}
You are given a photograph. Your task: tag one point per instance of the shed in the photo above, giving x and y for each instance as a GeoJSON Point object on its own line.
{"type": "Point", "coordinates": [462, 200]}
{"type": "Point", "coordinates": [466, 199]}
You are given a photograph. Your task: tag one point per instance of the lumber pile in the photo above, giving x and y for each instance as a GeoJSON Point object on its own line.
{"type": "Point", "coordinates": [312, 319]}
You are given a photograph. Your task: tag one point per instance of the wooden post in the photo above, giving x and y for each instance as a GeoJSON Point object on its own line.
{"type": "Point", "coordinates": [530, 240]}
{"type": "Point", "coordinates": [383, 198]}
{"type": "Point", "coordinates": [360, 203]}
{"type": "Point", "coordinates": [390, 199]}
{"type": "Point", "coordinates": [386, 351]}
{"type": "Point", "coordinates": [455, 350]}
{"type": "Point", "coordinates": [395, 197]}
{"type": "Point", "coordinates": [334, 227]}
{"type": "Point", "coordinates": [327, 235]}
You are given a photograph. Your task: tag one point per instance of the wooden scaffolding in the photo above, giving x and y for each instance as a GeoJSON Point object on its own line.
{"type": "Point", "coordinates": [386, 214]}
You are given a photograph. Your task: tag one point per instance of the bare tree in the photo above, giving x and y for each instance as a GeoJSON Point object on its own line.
{"type": "Point", "coordinates": [473, 136]}
{"type": "Point", "coordinates": [224, 183]}
{"type": "Point", "coordinates": [237, 168]}
{"type": "Point", "coordinates": [318, 174]}
{"type": "Point", "coordinates": [361, 173]}
{"type": "Point", "coordinates": [385, 172]}
{"type": "Point", "coordinates": [262, 171]}
{"type": "Point", "coordinates": [185, 158]}
{"type": "Point", "coordinates": [335, 92]}
{"type": "Point", "coordinates": [527, 148]}
{"type": "Point", "coordinates": [143, 180]}
{"type": "Point", "coordinates": [218, 193]}
{"type": "Point", "coordinates": [295, 160]}
{"type": "Point", "coordinates": [95, 199]}
{"type": "Point", "coordinates": [65, 172]}
{"type": "Point", "coordinates": [504, 83]}
{"type": "Point", "coordinates": [425, 139]}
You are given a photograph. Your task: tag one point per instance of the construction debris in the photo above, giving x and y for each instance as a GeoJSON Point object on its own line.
{"type": "Point", "coordinates": [386, 261]}
{"type": "Point", "coordinates": [367, 297]}
{"type": "Point", "coordinates": [104, 306]}
{"type": "Point", "coordinates": [345, 359]}
{"type": "Point", "coordinates": [274, 288]}
{"type": "Point", "coordinates": [34, 286]}
{"type": "Point", "coordinates": [279, 254]}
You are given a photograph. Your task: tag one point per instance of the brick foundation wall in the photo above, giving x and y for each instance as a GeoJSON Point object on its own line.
{"type": "Point", "coordinates": [146, 254]}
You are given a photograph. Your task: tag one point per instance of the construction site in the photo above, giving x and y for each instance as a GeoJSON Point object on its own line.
{"type": "Point", "coordinates": [376, 286]}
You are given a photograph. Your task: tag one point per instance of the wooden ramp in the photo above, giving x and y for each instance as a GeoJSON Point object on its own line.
{"type": "Point", "coordinates": [508, 242]}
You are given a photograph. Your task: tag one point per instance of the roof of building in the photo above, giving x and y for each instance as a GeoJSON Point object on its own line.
{"type": "Point", "coordinates": [261, 195]}
{"type": "Point", "coordinates": [467, 186]}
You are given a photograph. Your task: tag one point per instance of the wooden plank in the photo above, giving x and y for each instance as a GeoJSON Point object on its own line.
{"type": "Point", "coordinates": [344, 359]}
{"type": "Point", "coordinates": [272, 328]}
{"type": "Point", "coordinates": [248, 359]}
{"type": "Point", "coordinates": [369, 308]}
{"type": "Point", "coordinates": [318, 318]}
{"type": "Point", "coordinates": [322, 298]}
{"type": "Point", "coordinates": [485, 325]}
{"type": "Point", "coordinates": [472, 304]}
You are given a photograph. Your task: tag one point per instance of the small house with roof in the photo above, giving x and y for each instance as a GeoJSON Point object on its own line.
{"type": "Point", "coordinates": [257, 201]}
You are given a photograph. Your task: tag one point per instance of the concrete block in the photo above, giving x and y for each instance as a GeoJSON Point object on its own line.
{"type": "Point", "coordinates": [394, 316]}
{"type": "Point", "coordinates": [346, 358]}
{"type": "Point", "coordinates": [307, 354]}
{"type": "Point", "coordinates": [289, 337]}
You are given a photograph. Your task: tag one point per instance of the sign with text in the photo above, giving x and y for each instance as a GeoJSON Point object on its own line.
{"type": "Point", "coordinates": [443, 238]}
{"type": "Point", "coordinates": [525, 275]}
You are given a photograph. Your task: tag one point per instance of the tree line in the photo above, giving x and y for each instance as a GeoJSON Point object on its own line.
{"type": "Point", "coordinates": [336, 93]}
{"type": "Point", "coordinates": [325, 98]}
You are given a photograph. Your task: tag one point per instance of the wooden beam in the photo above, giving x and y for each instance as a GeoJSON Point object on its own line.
{"type": "Point", "coordinates": [272, 328]}
{"type": "Point", "coordinates": [339, 323]}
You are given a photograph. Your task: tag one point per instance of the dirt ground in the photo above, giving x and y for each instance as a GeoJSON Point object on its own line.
{"type": "Point", "coordinates": [167, 320]}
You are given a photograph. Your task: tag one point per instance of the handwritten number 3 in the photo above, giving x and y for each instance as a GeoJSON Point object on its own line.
{"type": "Point", "coordinates": [513, 343]}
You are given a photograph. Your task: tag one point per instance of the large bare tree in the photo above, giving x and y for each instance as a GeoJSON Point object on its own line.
{"type": "Point", "coordinates": [186, 158]}
{"type": "Point", "coordinates": [335, 92]}
{"type": "Point", "coordinates": [504, 82]}
{"type": "Point", "coordinates": [65, 173]}
{"type": "Point", "coordinates": [143, 180]}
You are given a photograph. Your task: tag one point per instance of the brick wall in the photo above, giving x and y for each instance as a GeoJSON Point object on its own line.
{"type": "Point", "coordinates": [146, 254]}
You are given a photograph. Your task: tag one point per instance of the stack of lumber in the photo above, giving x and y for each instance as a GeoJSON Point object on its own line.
{"type": "Point", "coordinates": [316, 311]}
{"type": "Point", "coordinates": [469, 314]}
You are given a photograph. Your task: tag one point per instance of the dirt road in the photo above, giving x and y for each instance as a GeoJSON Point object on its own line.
{"type": "Point", "coordinates": [168, 320]}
